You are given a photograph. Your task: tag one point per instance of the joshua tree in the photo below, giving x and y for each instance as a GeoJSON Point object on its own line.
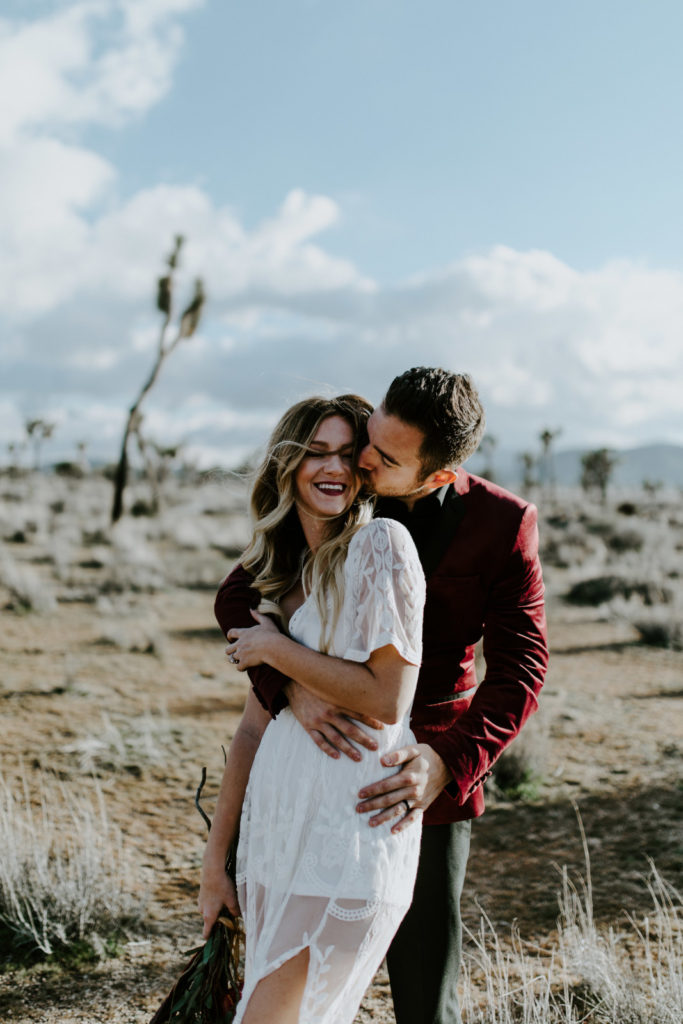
{"type": "Point", "coordinates": [487, 448]}
{"type": "Point", "coordinates": [547, 460]}
{"type": "Point", "coordinates": [652, 487]}
{"type": "Point", "coordinates": [189, 321]}
{"type": "Point", "coordinates": [37, 431]}
{"type": "Point", "coordinates": [82, 460]}
{"type": "Point", "coordinates": [13, 457]}
{"type": "Point", "coordinates": [157, 460]}
{"type": "Point", "coordinates": [597, 468]}
{"type": "Point", "coordinates": [529, 463]}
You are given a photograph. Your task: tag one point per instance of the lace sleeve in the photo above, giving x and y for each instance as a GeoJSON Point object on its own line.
{"type": "Point", "coordinates": [388, 591]}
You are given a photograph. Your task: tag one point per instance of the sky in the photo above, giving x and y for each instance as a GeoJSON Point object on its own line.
{"type": "Point", "coordinates": [363, 187]}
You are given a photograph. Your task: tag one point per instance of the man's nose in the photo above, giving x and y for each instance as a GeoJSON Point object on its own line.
{"type": "Point", "coordinates": [365, 460]}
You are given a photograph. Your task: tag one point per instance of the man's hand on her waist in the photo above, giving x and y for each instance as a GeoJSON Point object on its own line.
{"type": "Point", "coordinates": [335, 730]}
{"type": "Point", "coordinates": [421, 776]}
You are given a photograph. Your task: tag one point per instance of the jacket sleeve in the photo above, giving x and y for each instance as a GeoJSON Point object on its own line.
{"type": "Point", "coordinates": [516, 655]}
{"type": "Point", "coordinates": [234, 601]}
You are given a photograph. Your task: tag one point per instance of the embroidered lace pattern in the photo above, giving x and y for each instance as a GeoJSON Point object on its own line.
{"type": "Point", "coordinates": [311, 872]}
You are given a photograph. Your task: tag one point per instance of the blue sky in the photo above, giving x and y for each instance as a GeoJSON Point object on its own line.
{"type": "Point", "coordinates": [441, 127]}
{"type": "Point", "coordinates": [494, 187]}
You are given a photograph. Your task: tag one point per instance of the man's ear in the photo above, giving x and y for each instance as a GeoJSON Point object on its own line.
{"type": "Point", "coordinates": [440, 477]}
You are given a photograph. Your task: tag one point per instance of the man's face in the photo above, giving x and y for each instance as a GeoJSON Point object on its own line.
{"type": "Point", "coordinates": [391, 460]}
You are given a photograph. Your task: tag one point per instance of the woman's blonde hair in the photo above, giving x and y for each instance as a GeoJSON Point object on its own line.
{"type": "Point", "coordinates": [277, 554]}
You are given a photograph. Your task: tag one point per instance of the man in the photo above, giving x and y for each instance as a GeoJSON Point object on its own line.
{"type": "Point", "coordinates": [479, 549]}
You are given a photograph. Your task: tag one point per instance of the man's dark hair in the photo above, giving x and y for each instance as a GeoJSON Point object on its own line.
{"type": "Point", "coordinates": [445, 407]}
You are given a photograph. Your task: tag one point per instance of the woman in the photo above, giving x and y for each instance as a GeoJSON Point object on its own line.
{"type": "Point", "coordinates": [321, 891]}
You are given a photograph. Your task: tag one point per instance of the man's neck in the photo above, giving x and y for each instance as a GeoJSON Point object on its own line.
{"type": "Point", "coordinates": [410, 500]}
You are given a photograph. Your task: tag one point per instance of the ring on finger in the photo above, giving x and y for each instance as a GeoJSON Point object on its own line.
{"type": "Point", "coordinates": [234, 660]}
{"type": "Point", "coordinates": [408, 807]}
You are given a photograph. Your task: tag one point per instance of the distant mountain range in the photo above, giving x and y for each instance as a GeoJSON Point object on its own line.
{"type": "Point", "coordinates": [658, 463]}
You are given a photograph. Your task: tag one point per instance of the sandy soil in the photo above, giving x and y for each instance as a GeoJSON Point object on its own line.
{"type": "Point", "coordinates": [608, 737]}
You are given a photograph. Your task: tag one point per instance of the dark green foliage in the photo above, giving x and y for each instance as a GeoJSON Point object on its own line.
{"type": "Point", "coordinates": [142, 508]}
{"type": "Point", "coordinates": [71, 470]}
{"type": "Point", "coordinates": [663, 632]}
{"type": "Point", "coordinates": [596, 470]}
{"type": "Point", "coordinates": [625, 540]}
{"type": "Point", "coordinates": [599, 589]}
{"type": "Point", "coordinates": [515, 777]}
{"type": "Point", "coordinates": [208, 990]}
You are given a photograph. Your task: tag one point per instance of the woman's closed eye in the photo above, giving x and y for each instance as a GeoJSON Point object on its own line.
{"type": "Point", "coordinates": [315, 453]}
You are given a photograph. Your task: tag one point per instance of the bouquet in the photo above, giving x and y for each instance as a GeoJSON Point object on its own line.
{"type": "Point", "coordinates": [208, 990]}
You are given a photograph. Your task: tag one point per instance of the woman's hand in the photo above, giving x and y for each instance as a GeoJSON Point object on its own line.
{"type": "Point", "coordinates": [250, 645]}
{"type": "Point", "coordinates": [217, 890]}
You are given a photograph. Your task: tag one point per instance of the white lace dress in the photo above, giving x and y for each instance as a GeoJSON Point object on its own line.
{"type": "Point", "coordinates": [311, 872]}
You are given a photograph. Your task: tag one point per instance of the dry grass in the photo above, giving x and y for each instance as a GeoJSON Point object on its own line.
{"type": "Point", "coordinates": [64, 876]}
{"type": "Point", "coordinates": [614, 975]}
{"type": "Point", "coordinates": [126, 745]}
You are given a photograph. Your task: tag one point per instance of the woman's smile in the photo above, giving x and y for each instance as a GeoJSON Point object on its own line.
{"type": "Point", "coordinates": [330, 488]}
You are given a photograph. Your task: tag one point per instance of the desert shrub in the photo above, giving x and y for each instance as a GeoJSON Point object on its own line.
{"type": "Point", "coordinates": [129, 745]}
{"type": "Point", "coordinates": [620, 541]}
{"type": "Point", "coordinates": [559, 520]}
{"type": "Point", "coordinates": [135, 565]}
{"type": "Point", "coordinates": [95, 538]}
{"type": "Point", "coordinates": [599, 589]}
{"type": "Point", "coordinates": [140, 507]}
{"type": "Point", "coordinates": [70, 470]}
{"type": "Point", "coordinates": [570, 547]}
{"type": "Point", "coordinates": [627, 508]}
{"type": "Point", "coordinates": [519, 771]}
{"type": "Point", "coordinates": [64, 878]}
{"type": "Point", "coordinates": [141, 635]}
{"type": "Point", "coordinates": [515, 778]}
{"type": "Point", "coordinates": [598, 527]}
{"type": "Point", "coordinates": [28, 593]}
{"type": "Point", "coordinates": [661, 627]}
{"type": "Point", "coordinates": [554, 552]}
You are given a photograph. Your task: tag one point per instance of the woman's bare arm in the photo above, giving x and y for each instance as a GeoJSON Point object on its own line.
{"type": "Point", "coordinates": [216, 889]}
{"type": "Point", "coordinates": [381, 687]}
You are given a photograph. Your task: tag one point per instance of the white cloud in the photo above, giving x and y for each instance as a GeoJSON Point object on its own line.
{"type": "Point", "coordinates": [538, 363]}
{"type": "Point", "coordinates": [597, 353]}
{"type": "Point", "coordinates": [55, 72]}
{"type": "Point", "coordinates": [90, 62]}
{"type": "Point", "coordinates": [44, 234]}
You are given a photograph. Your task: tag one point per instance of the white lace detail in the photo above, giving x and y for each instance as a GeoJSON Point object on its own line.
{"type": "Point", "coordinates": [388, 592]}
{"type": "Point", "coordinates": [311, 872]}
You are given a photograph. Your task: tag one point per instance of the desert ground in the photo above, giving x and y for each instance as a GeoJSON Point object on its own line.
{"type": "Point", "coordinates": [114, 688]}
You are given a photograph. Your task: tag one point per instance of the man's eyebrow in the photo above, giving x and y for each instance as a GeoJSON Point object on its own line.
{"type": "Point", "coordinates": [385, 455]}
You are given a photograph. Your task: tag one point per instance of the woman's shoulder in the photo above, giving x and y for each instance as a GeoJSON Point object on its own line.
{"type": "Point", "coordinates": [380, 534]}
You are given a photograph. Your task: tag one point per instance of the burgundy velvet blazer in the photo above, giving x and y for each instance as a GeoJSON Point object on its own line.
{"type": "Point", "coordinates": [487, 582]}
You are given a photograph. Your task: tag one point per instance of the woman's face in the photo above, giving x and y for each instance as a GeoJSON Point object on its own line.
{"type": "Point", "coordinates": [325, 484]}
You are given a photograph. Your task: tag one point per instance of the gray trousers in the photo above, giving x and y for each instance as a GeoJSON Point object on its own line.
{"type": "Point", "coordinates": [424, 958]}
